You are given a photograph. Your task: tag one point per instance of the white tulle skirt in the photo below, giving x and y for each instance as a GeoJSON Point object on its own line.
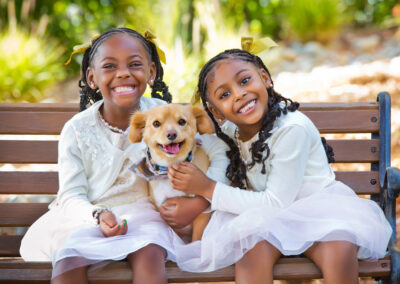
{"type": "Point", "coordinates": [70, 244]}
{"type": "Point", "coordinates": [318, 215]}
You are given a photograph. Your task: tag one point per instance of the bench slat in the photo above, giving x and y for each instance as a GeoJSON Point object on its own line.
{"type": "Point", "coordinates": [74, 107]}
{"type": "Point", "coordinates": [355, 151]}
{"type": "Point", "coordinates": [21, 214]}
{"type": "Point", "coordinates": [339, 121]}
{"type": "Point", "coordinates": [120, 272]}
{"type": "Point", "coordinates": [20, 151]}
{"type": "Point", "coordinates": [360, 182]}
{"type": "Point", "coordinates": [28, 182]}
{"type": "Point", "coordinates": [9, 245]}
{"type": "Point", "coordinates": [33, 122]}
{"type": "Point", "coordinates": [47, 182]}
{"type": "Point", "coordinates": [38, 107]}
{"type": "Point", "coordinates": [332, 121]}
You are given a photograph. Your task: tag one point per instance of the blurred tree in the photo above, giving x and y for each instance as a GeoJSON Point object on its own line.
{"type": "Point", "coordinates": [370, 12]}
{"type": "Point", "coordinates": [74, 22]}
{"type": "Point", "coordinates": [29, 60]}
{"type": "Point", "coordinates": [262, 16]}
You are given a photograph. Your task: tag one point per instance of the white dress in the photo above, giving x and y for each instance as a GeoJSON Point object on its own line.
{"type": "Point", "coordinates": [67, 234]}
{"type": "Point", "coordinates": [296, 203]}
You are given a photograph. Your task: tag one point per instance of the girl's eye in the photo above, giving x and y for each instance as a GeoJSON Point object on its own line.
{"type": "Point", "coordinates": [245, 80]}
{"type": "Point", "coordinates": [156, 124]}
{"type": "Point", "coordinates": [224, 94]}
{"type": "Point", "coordinates": [108, 66]}
{"type": "Point", "coordinates": [182, 122]}
{"type": "Point", "coordinates": [135, 64]}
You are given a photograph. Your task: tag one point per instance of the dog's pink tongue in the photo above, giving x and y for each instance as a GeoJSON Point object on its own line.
{"type": "Point", "coordinates": [172, 148]}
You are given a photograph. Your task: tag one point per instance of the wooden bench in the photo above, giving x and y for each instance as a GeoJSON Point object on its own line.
{"type": "Point", "coordinates": [378, 181]}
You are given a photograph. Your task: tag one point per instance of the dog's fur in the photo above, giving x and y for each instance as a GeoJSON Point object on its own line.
{"type": "Point", "coordinates": [169, 133]}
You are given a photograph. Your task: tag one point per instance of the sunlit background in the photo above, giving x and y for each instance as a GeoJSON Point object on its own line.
{"type": "Point", "coordinates": [329, 50]}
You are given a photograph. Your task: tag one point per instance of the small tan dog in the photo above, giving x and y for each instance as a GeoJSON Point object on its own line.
{"type": "Point", "coordinates": [169, 133]}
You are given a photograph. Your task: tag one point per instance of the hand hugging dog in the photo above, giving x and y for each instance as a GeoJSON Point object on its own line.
{"type": "Point", "coordinates": [169, 133]}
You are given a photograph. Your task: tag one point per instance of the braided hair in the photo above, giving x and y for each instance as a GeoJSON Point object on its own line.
{"type": "Point", "coordinates": [277, 104]}
{"type": "Point", "coordinates": [90, 96]}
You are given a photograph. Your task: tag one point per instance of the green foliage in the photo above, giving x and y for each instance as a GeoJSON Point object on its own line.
{"type": "Point", "coordinates": [28, 64]}
{"type": "Point", "coordinates": [76, 21]}
{"type": "Point", "coordinates": [29, 61]}
{"type": "Point", "coordinates": [312, 19]}
{"type": "Point", "coordinates": [262, 16]}
{"type": "Point", "coordinates": [370, 12]}
{"type": "Point", "coordinates": [189, 31]}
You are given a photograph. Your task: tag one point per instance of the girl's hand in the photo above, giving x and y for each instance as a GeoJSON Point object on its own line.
{"type": "Point", "coordinates": [109, 225]}
{"type": "Point", "coordinates": [185, 210]}
{"type": "Point", "coordinates": [188, 178]}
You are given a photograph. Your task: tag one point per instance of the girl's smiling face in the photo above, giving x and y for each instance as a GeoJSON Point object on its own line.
{"type": "Point", "coordinates": [237, 91]}
{"type": "Point", "coordinates": [121, 69]}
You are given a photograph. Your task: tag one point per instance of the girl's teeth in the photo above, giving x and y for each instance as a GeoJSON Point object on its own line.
{"type": "Point", "coordinates": [123, 89]}
{"type": "Point", "coordinates": [247, 107]}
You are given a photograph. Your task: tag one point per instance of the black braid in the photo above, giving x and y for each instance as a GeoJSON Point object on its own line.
{"type": "Point", "coordinates": [236, 171]}
{"type": "Point", "coordinates": [90, 96]}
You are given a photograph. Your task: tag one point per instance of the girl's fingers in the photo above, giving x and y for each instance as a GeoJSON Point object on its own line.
{"type": "Point", "coordinates": [179, 185]}
{"type": "Point", "coordinates": [124, 227]}
{"type": "Point", "coordinates": [170, 202]}
{"type": "Point", "coordinates": [167, 216]}
{"type": "Point", "coordinates": [118, 229]}
{"type": "Point", "coordinates": [109, 232]}
{"type": "Point", "coordinates": [181, 168]}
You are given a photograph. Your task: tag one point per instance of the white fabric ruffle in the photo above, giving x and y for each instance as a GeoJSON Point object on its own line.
{"type": "Point", "coordinates": [327, 214]}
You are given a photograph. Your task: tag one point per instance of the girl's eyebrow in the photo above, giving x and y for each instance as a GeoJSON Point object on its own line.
{"type": "Point", "coordinates": [237, 74]}
{"type": "Point", "coordinates": [114, 59]}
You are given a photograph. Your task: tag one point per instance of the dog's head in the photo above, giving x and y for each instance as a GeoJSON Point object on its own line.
{"type": "Point", "coordinates": [169, 131]}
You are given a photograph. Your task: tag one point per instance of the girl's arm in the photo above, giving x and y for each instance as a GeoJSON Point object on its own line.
{"type": "Point", "coordinates": [184, 211]}
{"type": "Point", "coordinates": [73, 186]}
{"type": "Point", "coordinates": [187, 209]}
{"type": "Point", "coordinates": [289, 157]}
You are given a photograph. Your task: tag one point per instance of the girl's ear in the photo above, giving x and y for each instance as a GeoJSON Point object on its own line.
{"type": "Point", "coordinates": [203, 122]}
{"type": "Point", "coordinates": [89, 78]}
{"type": "Point", "coordinates": [153, 72]}
{"type": "Point", "coordinates": [265, 77]}
{"type": "Point", "coordinates": [138, 122]}
{"type": "Point", "coordinates": [216, 113]}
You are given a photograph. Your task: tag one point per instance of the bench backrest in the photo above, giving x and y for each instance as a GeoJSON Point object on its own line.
{"type": "Point", "coordinates": [39, 119]}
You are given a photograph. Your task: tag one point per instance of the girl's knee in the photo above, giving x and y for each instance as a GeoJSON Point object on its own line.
{"type": "Point", "coordinates": [150, 253]}
{"type": "Point", "coordinates": [261, 252]}
{"type": "Point", "coordinates": [338, 255]}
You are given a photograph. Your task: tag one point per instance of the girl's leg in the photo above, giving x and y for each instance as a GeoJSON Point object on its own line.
{"type": "Point", "coordinates": [148, 265]}
{"type": "Point", "coordinates": [74, 276]}
{"type": "Point", "coordinates": [256, 265]}
{"type": "Point", "coordinates": [337, 261]}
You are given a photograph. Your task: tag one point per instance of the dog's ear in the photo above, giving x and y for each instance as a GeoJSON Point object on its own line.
{"type": "Point", "coordinates": [203, 122]}
{"type": "Point", "coordinates": [138, 122]}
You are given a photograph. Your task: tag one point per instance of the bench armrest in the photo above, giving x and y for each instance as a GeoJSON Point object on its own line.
{"type": "Point", "coordinates": [390, 191]}
{"type": "Point", "coordinates": [392, 182]}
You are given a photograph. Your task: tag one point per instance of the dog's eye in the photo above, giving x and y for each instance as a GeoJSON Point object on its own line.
{"type": "Point", "coordinates": [156, 123]}
{"type": "Point", "coordinates": [182, 122]}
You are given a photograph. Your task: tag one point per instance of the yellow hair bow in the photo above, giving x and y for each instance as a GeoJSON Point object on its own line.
{"type": "Point", "coordinates": [81, 48]}
{"type": "Point", "coordinates": [195, 97]}
{"type": "Point", "coordinates": [150, 37]}
{"type": "Point", "coordinates": [258, 45]}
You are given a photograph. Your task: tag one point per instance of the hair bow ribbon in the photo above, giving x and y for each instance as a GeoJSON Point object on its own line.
{"type": "Point", "coordinates": [81, 48]}
{"type": "Point", "coordinates": [150, 37]}
{"type": "Point", "coordinates": [258, 45]}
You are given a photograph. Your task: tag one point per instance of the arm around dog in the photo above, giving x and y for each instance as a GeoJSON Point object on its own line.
{"type": "Point", "coordinates": [215, 149]}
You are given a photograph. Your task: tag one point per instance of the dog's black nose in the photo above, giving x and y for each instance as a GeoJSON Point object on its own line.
{"type": "Point", "coordinates": [171, 135]}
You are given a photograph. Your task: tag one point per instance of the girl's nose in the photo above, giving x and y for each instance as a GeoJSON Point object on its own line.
{"type": "Point", "coordinates": [123, 73]}
{"type": "Point", "coordinates": [239, 93]}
